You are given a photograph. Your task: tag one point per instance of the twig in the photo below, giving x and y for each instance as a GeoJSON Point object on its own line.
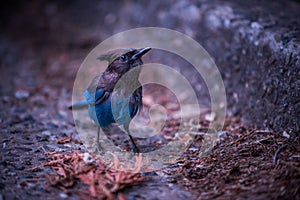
{"type": "Point", "coordinates": [263, 131]}
{"type": "Point", "coordinates": [263, 139]}
{"type": "Point", "coordinates": [277, 153]}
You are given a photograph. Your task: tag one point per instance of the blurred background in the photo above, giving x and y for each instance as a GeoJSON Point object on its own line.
{"type": "Point", "coordinates": [255, 45]}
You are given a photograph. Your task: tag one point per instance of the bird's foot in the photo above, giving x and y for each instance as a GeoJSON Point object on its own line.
{"type": "Point", "coordinates": [136, 150]}
{"type": "Point", "coordinates": [98, 147]}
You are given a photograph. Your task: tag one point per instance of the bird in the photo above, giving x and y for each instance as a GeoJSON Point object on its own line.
{"type": "Point", "coordinates": [115, 96]}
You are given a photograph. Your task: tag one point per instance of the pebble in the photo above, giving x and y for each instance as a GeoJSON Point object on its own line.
{"type": "Point", "coordinates": [193, 149]}
{"type": "Point", "coordinates": [63, 195]}
{"type": "Point", "coordinates": [11, 173]}
{"type": "Point", "coordinates": [46, 133]}
{"type": "Point", "coordinates": [198, 133]}
{"type": "Point", "coordinates": [87, 158]}
{"type": "Point", "coordinates": [285, 134]}
{"type": "Point", "coordinates": [63, 113]}
{"type": "Point", "coordinates": [210, 117]}
{"type": "Point", "coordinates": [256, 25]}
{"type": "Point", "coordinates": [222, 134]}
{"type": "Point", "coordinates": [21, 94]}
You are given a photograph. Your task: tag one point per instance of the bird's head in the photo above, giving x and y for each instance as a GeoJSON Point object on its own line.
{"type": "Point", "coordinates": [123, 60]}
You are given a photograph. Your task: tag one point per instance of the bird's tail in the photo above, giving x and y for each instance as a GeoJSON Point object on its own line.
{"type": "Point", "coordinates": [79, 105]}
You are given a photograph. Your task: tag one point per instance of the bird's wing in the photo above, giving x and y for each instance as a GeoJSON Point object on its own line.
{"type": "Point", "coordinates": [93, 94]}
{"type": "Point", "coordinates": [135, 102]}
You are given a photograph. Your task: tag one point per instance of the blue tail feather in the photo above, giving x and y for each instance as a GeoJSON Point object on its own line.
{"type": "Point", "coordinates": [79, 105]}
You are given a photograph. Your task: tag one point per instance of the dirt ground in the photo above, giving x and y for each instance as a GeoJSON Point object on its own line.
{"type": "Point", "coordinates": [42, 156]}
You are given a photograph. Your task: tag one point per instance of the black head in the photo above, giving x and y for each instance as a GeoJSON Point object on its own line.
{"type": "Point", "coordinates": [127, 61]}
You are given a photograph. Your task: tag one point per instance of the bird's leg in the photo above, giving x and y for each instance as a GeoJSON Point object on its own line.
{"type": "Point", "coordinates": [135, 148]}
{"type": "Point", "coordinates": [98, 138]}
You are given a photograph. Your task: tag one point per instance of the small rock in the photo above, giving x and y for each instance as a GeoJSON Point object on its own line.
{"type": "Point", "coordinates": [46, 133]}
{"type": "Point", "coordinates": [170, 184]}
{"type": "Point", "coordinates": [21, 94]}
{"type": "Point", "coordinates": [67, 145]}
{"type": "Point", "coordinates": [222, 134]}
{"type": "Point", "coordinates": [193, 149]}
{"type": "Point", "coordinates": [62, 113]}
{"type": "Point", "coordinates": [194, 133]}
{"type": "Point", "coordinates": [285, 134]}
{"type": "Point", "coordinates": [63, 195]}
{"type": "Point", "coordinates": [87, 158]}
{"type": "Point", "coordinates": [11, 173]}
{"type": "Point", "coordinates": [256, 25]}
{"type": "Point", "coordinates": [210, 117]}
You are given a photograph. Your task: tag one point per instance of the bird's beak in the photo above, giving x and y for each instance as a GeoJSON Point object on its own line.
{"type": "Point", "coordinates": [140, 53]}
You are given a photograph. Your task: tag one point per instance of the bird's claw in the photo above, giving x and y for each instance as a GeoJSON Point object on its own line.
{"type": "Point", "coordinates": [136, 150]}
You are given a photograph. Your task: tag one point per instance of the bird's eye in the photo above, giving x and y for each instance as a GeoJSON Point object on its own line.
{"type": "Point", "coordinates": [124, 58]}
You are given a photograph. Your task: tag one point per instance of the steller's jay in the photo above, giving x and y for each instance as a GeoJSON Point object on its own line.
{"type": "Point", "coordinates": [113, 97]}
